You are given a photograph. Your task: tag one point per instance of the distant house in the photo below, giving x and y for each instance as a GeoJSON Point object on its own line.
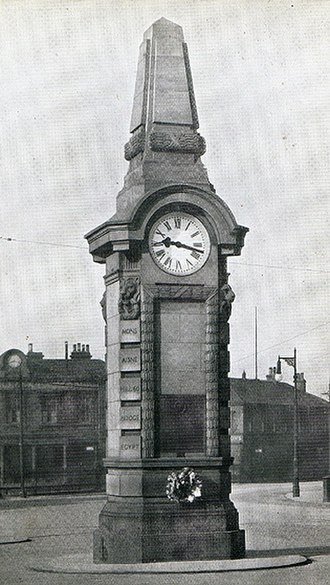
{"type": "Point", "coordinates": [262, 431]}
{"type": "Point", "coordinates": [63, 421]}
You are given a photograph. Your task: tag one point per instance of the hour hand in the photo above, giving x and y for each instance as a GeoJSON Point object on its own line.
{"type": "Point", "coordinates": [166, 242]}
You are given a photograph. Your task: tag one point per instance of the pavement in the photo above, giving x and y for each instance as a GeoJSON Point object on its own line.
{"type": "Point", "coordinates": [54, 530]}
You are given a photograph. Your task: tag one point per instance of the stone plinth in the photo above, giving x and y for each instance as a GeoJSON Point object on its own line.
{"type": "Point", "coordinates": [140, 524]}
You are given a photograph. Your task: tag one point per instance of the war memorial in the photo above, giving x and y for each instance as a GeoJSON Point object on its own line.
{"type": "Point", "coordinates": [167, 305]}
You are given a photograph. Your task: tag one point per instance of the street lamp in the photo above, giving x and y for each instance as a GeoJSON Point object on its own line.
{"type": "Point", "coordinates": [15, 362]}
{"type": "Point", "coordinates": [292, 361]}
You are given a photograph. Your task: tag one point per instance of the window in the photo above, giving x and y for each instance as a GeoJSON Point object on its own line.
{"type": "Point", "coordinates": [11, 463]}
{"type": "Point", "coordinates": [80, 456]}
{"type": "Point", "coordinates": [49, 410]}
{"type": "Point", "coordinates": [86, 409]}
{"type": "Point", "coordinates": [49, 461]}
{"type": "Point", "coordinates": [12, 409]}
{"type": "Point", "coordinates": [69, 407]}
{"type": "Point", "coordinates": [282, 419]}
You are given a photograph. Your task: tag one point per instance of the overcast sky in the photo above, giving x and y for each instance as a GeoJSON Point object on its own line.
{"type": "Point", "coordinates": [261, 79]}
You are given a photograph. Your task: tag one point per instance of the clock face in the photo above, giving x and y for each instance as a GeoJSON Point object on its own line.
{"type": "Point", "coordinates": [14, 361]}
{"type": "Point", "coordinates": [179, 243]}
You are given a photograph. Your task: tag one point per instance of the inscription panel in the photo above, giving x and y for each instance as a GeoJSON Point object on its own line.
{"type": "Point", "coordinates": [182, 427]}
{"type": "Point", "coordinates": [130, 417]}
{"type": "Point", "coordinates": [181, 330]}
{"type": "Point", "coordinates": [130, 447]}
{"type": "Point", "coordinates": [130, 388]}
{"type": "Point", "coordinates": [130, 359]}
{"type": "Point", "coordinates": [130, 331]}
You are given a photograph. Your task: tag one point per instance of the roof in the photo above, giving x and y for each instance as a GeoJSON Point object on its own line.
{"type": "Point", "coordinates": [75, 370]}
{"type": "Point", "coordinates": [263, 391]}
{"type": "Point", "coordinates": [34, 368]}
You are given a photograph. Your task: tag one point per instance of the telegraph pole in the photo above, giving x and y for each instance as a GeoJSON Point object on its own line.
{"type": "Point", "coordinates": [256, 343]}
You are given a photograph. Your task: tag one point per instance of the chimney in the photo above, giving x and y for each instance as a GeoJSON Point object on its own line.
{"type": "Point", "coordinates": [301, 383]}
{"type": "Point", "coordinates": [270, 377]}
{"type": "Point", "coordinates": [66, 350]}
{"type": "Point", "coordinates": [244, 375]}
{"type": "Point", "coordinates": [80, 351]}
{"type": "Point", "coordinates": [34, 357]}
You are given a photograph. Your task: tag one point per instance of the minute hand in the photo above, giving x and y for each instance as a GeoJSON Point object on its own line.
{"type": "Point", "coordinates": [186, 247]}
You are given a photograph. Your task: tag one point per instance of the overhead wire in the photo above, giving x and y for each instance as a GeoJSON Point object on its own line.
{"type": "Point", "coordinates": [295, 268]}
{"type": "Point", "coordinates": [11, 239]}
{"type": "Point", "coordinates": [42, 243]}
{"type": "Point", "coordinates": [283, 341]}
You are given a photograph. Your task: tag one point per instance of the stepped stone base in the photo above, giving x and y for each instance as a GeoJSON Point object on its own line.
{"type": "Point", "coordinates": [131, 532]}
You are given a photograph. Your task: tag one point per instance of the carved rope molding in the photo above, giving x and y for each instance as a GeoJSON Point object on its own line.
{"type": "Point", "coordinates": [195, 293]}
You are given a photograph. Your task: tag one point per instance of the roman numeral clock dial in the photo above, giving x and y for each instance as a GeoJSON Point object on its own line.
{"type": "Point", "coordinates": [179, 243]}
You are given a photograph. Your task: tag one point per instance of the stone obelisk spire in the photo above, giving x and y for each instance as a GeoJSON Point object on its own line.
{"type": "Point", "coordinates": [165, 147]}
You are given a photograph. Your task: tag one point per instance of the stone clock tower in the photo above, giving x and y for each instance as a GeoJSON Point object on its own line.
{"type": "Point", "coordinates": [166, 305]}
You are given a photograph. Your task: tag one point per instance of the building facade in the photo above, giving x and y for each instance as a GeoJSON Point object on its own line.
{"type": "Point", "coordinates": [64, 436]}
{"type": "Point", "coordinates": [53, 411]}
{"type": "Point", "coordinates": [262, 431]}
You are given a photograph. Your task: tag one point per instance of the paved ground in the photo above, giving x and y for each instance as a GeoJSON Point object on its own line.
{"type": "Point", "coordinates": [275, 524]}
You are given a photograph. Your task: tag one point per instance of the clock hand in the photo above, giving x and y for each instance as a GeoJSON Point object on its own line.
{"type": "Point", "coordinates": [168, 242]}
{"type": "Point", "coordinates": [186, 247]}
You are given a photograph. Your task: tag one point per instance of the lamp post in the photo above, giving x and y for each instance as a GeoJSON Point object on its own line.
{"type": "Point", "coordinates": [15, 362]}
{"type": "Point", "coordinates": [292, 361]}
{"type": "Point", "coordinates": [21, 434]}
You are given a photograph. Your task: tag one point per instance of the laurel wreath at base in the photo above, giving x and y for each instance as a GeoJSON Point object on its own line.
{"type": "Point", "coordinates": [183, 486]}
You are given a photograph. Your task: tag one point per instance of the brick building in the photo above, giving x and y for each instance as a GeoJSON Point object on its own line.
{"type": "Point", "coordinates": [63, 421]}
{"type": "Point", "coordinates": [262, 431]}
{"type": "Point", "coordinates": [64, 425]}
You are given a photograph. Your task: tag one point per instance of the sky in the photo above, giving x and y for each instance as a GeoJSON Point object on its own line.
{"type": "Point", "coordinates": [262, 84]}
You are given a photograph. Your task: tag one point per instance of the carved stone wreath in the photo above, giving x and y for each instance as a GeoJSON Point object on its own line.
{"type": "Point", "coordinates": [183, 486]}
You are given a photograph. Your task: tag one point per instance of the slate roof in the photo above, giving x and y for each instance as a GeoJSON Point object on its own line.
{"type": "Point", "coordinates": [35, 368]}
{"type": "Point", "coordinates": [263, 391]}
{"type": "Point", "coordinates": [76, 370]}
